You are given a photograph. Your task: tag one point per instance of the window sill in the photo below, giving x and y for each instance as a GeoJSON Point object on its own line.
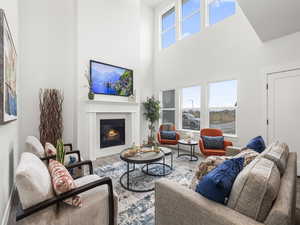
{"type": "Point", "coordinates": [231, 136]}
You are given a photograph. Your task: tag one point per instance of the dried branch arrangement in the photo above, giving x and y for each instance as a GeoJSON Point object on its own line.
{"type": "Point", "coordinates": [51, 121]}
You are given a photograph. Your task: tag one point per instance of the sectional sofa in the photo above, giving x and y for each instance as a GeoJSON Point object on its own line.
{"type": "Point", "coordinates": [264, 192]}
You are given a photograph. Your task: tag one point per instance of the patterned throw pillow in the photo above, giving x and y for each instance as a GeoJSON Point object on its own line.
{"type": "Point", "coordinates": [63, 182]}
{"type": "Point", "coordinates": [50, 150]}
{"type": "Point", "coordinates": [248, 154]}
{"type": "Point", "coordinates": [213, 142]}
{"type": "Point", "coordinates": [169, 135]}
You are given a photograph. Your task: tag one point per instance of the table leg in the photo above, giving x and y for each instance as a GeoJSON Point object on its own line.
{"type": "Point", "coordinates": [191, 152]}
{"type": "Point", "coordinates": [178, 150]}
{"type": "Point", "coordinates": [147, 168]}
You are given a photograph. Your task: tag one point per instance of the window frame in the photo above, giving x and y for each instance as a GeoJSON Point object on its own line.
{"type": "Point", "coordinates": [167, 109]}
{"type": "Point", "coordinates": [208, 109]}
{"type": "Point", "coordinates": [181, 108]}
{"type": "Point", "coordinates": [207, 24]}
{"type": "Point", "coordinates": [161, 32]}
{"type": "Point", "coordinates": [182, 20]}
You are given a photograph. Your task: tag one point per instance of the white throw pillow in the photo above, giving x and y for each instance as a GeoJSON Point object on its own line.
{"type": "Point", "coordinates": [33, 181]}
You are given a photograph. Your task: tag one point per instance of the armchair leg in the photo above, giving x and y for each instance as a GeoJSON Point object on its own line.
{"type": "Point", "coordinates": [111, 203]}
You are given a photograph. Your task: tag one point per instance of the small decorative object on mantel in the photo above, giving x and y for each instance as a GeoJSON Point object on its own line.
{"type": "Point", "coordinates": [51, 121]}
{"type": "Point", "coordinates": [8, 73]}
{"type": "Point", "coordinates": [152, 107]}
{"type": "Point", "coordinates": [131, 98]}
{"type": "Point", "coordinates": [91, 94]}
{"type": "Point", "coordinates": [60, 151]}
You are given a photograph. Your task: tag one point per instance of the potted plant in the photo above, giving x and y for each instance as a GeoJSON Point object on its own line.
{"type": "Point", "coordinates": [91, 94]}
{"type": "Point", "coordinates": [152, 108]}
{"type": "Point", "coordinates": [60, 151]}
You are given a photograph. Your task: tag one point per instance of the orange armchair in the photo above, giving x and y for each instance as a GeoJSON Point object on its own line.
{"type": "Point", "coordinates": [212, 133]}
{"type": "Point", "coordinates": [167, 127]}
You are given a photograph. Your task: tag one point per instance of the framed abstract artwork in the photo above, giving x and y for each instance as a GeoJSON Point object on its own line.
{"type": "Point", "coordinates": [8, 73]}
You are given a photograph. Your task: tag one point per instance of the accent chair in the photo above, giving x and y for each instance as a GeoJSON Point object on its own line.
{"type": "Point", "coordinates": [212, 133]}
{"type": "Point", "coordinates": [167, 135]}
{"type": "Point", "coordinates": [39, 204]}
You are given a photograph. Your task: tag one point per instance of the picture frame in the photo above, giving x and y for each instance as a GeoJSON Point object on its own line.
{"type": "Point", "coordinates": [8, 73]}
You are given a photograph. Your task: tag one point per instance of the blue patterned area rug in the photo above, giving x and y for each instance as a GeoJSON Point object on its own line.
{"type": "Point", "coordinates": [138, 208]}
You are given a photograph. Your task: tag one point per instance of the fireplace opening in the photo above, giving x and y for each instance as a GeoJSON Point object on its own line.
{"type": "Point", "coordinates": [112, 132]}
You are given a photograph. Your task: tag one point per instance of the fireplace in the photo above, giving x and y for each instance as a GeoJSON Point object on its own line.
{"type": "Point", "coordinates": [112, 132]}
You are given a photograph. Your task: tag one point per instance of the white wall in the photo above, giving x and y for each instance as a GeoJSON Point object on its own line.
{"type": "Point", "coordinates": [48, 51]}
{"type": "Point", "coordinates": [9, 132]}
{"type": "Point", "coordinates": [146, 60]}
{"type": "Point", "coordinates": [111, 32]}
{"type": "Point", "coordinates": [227, 50]}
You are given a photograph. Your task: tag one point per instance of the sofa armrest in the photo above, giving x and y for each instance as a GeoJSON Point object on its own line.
{"type": "Point", "coordinates": [178, 205]}
{"type": "Point", "coordinates": [177, 136]}
{"type": "Point", "coordinates": [75, 152]}
{"type": "Point", "coordinates": [227, 143]}
{"type": "Point", "coordinates": [82, 163]}
{"type": "Point", "coordinates": [201, 145]}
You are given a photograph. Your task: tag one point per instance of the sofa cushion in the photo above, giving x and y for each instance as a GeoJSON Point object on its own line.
{"type": "Point", "coordinates": [217, 184]}
{"type": "Point", "coordinates": [255, 189]}
{"type": "Point", "coordinates": [213, 142]}
{"type": "Point", "coordinates": [278, 153]}
{"type": "Point", "coordinates": [33, 180]}
{"type": "Point", "coordinates": [34, 146]}
{"type": "Point", "coordinates": [63, 182]}
{"type": "Point", "coordinates": [169, 135]}
{"type": "Point", "coordinates": [257, 144]}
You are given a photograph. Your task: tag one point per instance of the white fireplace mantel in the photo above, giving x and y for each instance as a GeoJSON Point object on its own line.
{"type": "Point", "coordinates": [96, 109]}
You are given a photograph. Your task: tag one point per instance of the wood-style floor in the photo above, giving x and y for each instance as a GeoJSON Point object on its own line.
{"type": "Point", "coordinates": [110, 160]}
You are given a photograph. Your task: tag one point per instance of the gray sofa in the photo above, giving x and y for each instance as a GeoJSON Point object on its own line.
{"type": "Point", "coordinates": [177, 205]}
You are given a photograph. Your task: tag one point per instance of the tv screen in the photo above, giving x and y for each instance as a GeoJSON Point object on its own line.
{"type": "Point", "coordinates": [111, 80]}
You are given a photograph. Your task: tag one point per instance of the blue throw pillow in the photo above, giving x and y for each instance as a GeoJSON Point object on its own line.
{"type": "Point", "coordinates": [213, 142]}
{"type": "Point", "coordinates": [217, 184]}
{"type": "Point", "coordinates": [169, 135]}
{"type": "Point", "coordinates": [257, 144]}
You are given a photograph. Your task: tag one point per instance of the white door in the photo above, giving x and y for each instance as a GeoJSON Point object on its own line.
{"type": "Point", "coordinates": [284, 109]}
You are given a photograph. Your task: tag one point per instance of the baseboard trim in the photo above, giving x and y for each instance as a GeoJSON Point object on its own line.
{"type": "Point", "coordinates": [8, 208]}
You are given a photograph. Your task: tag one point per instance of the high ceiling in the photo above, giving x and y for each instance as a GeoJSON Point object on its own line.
{"type": "Point", "coordinates": [272, 18]}
{"type": "Point", "coordinates": [152, 3]}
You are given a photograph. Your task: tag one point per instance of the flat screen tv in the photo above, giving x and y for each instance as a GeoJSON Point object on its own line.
{"type": "Point", "coordinates": [107, 79]}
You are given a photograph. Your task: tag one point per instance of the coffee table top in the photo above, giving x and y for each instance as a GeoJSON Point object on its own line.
{"type": "Point", "coordinates": [184, 142]}
{"type": "Point", "coordinates": [141, 158]}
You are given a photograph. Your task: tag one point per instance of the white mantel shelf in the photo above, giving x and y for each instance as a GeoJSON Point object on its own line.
{"type": "Point", "coordinates": [110, 101]}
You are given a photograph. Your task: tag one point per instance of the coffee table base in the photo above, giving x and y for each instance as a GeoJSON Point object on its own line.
{"type": "Point", "coordinates": [165, 173]}
{"type": "Point", "coordinates": [127, 173]}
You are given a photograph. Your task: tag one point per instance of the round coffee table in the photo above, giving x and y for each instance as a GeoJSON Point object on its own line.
{"type": "Point", "coordinates": [141, 158]}
{"type": "Point", "coordinates": [192, 145]}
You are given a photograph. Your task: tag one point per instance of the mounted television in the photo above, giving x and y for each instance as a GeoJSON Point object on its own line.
{"type": "Point", "coordinates": [107, 79]}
